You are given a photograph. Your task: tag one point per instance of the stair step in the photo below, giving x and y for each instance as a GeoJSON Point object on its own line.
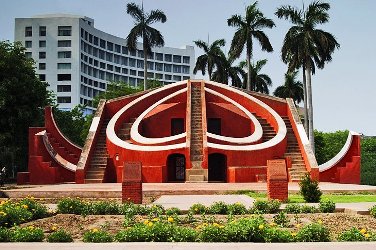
{"type": "Point", "coordinates": [93, 180]}
{"type": "Point", "coordinates": [196, 178]}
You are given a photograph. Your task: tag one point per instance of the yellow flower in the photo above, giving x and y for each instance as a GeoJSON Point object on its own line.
{"type": "Point", "coordinates": [146, 222]}
{"type": "Point", "coordinates": [272, 224]}
{"type": "Point", "coordinates": [215, 224]}
{"type": "Point", "coordinates": [94, 230]}
{"type": "Point", "coordinates": [30, 227]}
{"type": "Point", "coordinates": [363, 231]}
{"type": "Point", "coordinates": [150, 224]}
{"type": "Point", "coordinates": [298, 225]}
{"type": "Point", "coordinates": [221, 226]}
{"type": "Point", "coordinates": [170, 219]}
{"type": "Point", "coordinates": [293, 234]}
{"type": "Point", "coordinates": [54, 228]}
{"type": "Point", "coordinates": [155, 219]}
{"type": "Point", "coordinates": [366, 235]}
{"type": "Point", "coordinates": [261, 227]}
{"type": "Point", "coordinates": [319, 221]}
{"type": "Point", "coordinates": [25, 206]}
{"type": "Point", "coordinates": [196, 209]}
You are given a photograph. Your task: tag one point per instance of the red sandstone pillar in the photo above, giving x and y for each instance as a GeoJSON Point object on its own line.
{"type": "Point", "coordinates": [132, 182]}
{"type": "Point", "coordinates": [277, 181]}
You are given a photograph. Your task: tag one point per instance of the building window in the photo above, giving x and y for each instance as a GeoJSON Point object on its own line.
{"type": "Point", "coordinates": [159, 56]}
{"type": "Point", "coordinates": [168, 57]}
{"type": "Point", "coordinates": [64, 30]}
{"type": "Point", "coordinates": [159, 66]}
{"type": "Point", "coordinates": [124, 50]}
{"type": "Point", "coordinates": [186, 59]}
{"type": "Point", "coordinates": [140, 53]}
{"type": "Point", "coordinates": [95, 40]}
{"type": "Point", "coordinates": [110, 46]}
{"type": "Point", "coordinates": [177, 78]}
{"type": "Point", "coordinates": [28, 44]}
{"type": "Point", "coordinates": [64, 54]}
{"type": "Point", "coordinates": [185, 69]}
{"type": "Point", "coordinates": [167, 67]}
{"type": "Point", "coordinates": [158, 76]}
{"type": "Point", "coordinates": [28, 54]}
{"type": "Point", "coordinates": [168, 77]}
{"type": "Point", "coordinates": [132, 72]}
{"type": "Point", "coordinates": [42, 55]}
{"type": "Point", "coordinates": [64, 77]}
{"type": "Point", "coordinates": [28, 31]}
{"type": "Point", "coordinates": [132, 62]}
{"type": "Point", "coordinates": [117, 48]}
{"type": "Point", "coordinates": [63, 66]}
{"type": "Point", "coordinates": [63, 88]}
{"type": "Point", "coordinates": [177, 69]}
{"type": "Point", "coordinates": [140, 64]}
{"type": "Point", "coordinates": [42, 30]}
{"type": "Point", "coordinates": [63, 99]}
{"type": "Point", "coordinates": [42, 77]}
{"type": "Point", "coordinates": [42, 44]}
{"type": "Point", "coordinates": [141, 73]}
{"type": "Point", "coordinates": [64, 43]}
{"type": "Point", "coordinates": [177, 59]}
{"type": "Point", "coordinates": [42, 66]}
{"type": "Point", "coordinates": [102, 44]}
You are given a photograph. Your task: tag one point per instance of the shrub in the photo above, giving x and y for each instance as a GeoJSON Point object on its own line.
{"type": "Point", "coordinates": [104, 207]}
{"type": "Point", "coordinates": [184, 234]}
{"type": "Point", "coordinates": [372, 211]}
{"type": "Point", "coordinates": [72, 206]}
{"type": "Point", "coordinates": [27, 234]}
{"type": "Point", "coordinates": [173, 211]}
{"type": "Point", "coordinates": [277, 235]}
{"type": "Point", "coordinates": [59, 236]}
{"type": "Point", "coordinates": [236, 208]}
{"type": "Point", "coordinates": [327, 206]}
{"type": "Point", "coordinates": [97, 236]}
{"type": "Point", "coordinates": [281, 219]}
{"type": "Point", "coordinates": [213, 233]}
{"type": "Point", "coordinates": [306, 209]}
{"type": "Point", "coordinates": [313, 232]}
{"type": "Point", "coordinates": [13, 213]}
{"type": "Point", "coordinates": [293, 208]}
{"type": "Point", "coordinates": [247, 230]}
{"type": "Point", "coordinates": [218, 208]}
{"type": "Point", "coordinates": [156, 210]}
{"type": "Point", "coordinates": [270, 206]}
{"type": "Point", "coordinates": [309, 189]}
{"type": "Point", "coordinates": [353, 234]}
{"type": "Point", "coordinates": [4, 234]}
{"type": "Point", "coordinates": [198, 209]}
{"type": "Point", "coordinates": [38, 210]}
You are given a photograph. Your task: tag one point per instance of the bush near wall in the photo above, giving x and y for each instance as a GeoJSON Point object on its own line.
{"type": "Point", "coordinates": [368, 166]}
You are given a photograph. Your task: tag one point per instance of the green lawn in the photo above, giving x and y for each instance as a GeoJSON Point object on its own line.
{"type": "Point", "coordinates": [337, 198]}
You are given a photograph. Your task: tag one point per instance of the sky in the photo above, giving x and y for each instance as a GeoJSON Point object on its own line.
{"type": "Point", "coordinates": [344, 92]}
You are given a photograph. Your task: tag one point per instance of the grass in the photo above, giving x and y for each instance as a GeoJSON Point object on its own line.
{"type": "Point", "coordinates": [335, 197]}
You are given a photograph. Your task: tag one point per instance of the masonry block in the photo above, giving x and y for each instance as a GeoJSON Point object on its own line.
{"type": "Point", "coordinates": [132, 182]}
{"type": "Point", "coordinates": [277, 180]}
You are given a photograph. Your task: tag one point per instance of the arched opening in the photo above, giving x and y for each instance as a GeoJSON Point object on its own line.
{"type": "Point", "coordinates": [217, 167]}
{"type": "Point", "coordinates": [176, 168]}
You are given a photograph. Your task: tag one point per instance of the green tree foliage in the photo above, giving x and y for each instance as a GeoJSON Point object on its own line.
{"type": "Point", "coordinates": [368, 166]}
{"type": "Point", "coordinates": [226, 71]}
{"type": "Point", "coordinates": [291, 88]}
{"type": "Point", "coordinates": [151, 37]}
{"type": "Point", "coordinates": [248, 28]}
{"type": "Point", "coordinates": [22, 99]}
{"type": "Point", "coordinates": [327, 145]}
{"type": "Point", "coordinates": [260, 82]}
{"type": "Point", "coordinates": [212, 57]}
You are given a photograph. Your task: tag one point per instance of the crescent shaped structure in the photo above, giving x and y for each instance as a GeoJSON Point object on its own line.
{"type": "Point", "coordinates": [188, 131]}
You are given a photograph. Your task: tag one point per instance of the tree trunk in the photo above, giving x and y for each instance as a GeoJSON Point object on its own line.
{"type": "Point", "coordinates": [310, 109]}
{"type": "Point", "coordinates": [248, 87]}
{"type": "Point", "coordinates": [305, 100]}
{"type": "Point", "coordinates": [145, 66]}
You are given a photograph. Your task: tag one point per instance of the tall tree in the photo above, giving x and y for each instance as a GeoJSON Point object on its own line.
{"type": "Point", "coordinates": [260, 82]}
{"type": "Point", "coordinates": [212, 57]}
{"type": "Point", "coordinates": [151, 37]}
{"type": "Point", "coordinates": [307, 46]}
{"type": "Point", "coordinates": [22, 99]}
{"type": "Point", "coordinates": [249, 27]}
{"type": "Point", "coordinates": [292, 88]}
{"type": "Point", "coordinates": [227, 71]}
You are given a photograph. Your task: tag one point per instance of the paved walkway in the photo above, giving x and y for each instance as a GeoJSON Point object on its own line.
{"type": "Point", "coordinates": [184, 202]}
{"type": "Point", "coordinates": [113, 190]}
{"type": "Point", "coordinates": [192, 246]}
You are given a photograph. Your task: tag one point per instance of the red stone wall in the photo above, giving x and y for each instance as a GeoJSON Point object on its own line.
{"type": "Point", "coordinates": [277, 180]}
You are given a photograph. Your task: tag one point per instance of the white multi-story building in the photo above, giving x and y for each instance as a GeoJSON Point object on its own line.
{"type": "Point", "coordinates": [78, 60]}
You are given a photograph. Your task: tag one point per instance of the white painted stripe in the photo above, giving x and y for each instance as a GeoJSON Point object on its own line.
{"type": "Point", "coordinates": [94, 124]}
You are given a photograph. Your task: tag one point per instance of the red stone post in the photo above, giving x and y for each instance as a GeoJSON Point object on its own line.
{"type": "Point", "coordinates": [132, 183]}
{"type": "Point", "coordinates": [277, 181]}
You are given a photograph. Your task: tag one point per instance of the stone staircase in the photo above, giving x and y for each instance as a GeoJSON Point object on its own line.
{"type": "Point", "coordinates": [125, 130]}
{"type": "Point", "coordinates": [298, 168]}
{"type": "Point", "coordinates": [196, 173]}
{"type": "Point", "coordinates": [62, 151]}
{"type": "Point", "coordinates": [98, 162]}
{"type": "Point", "coordinates": [267, 130]}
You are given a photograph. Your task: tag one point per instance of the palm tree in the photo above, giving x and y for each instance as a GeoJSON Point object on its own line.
{"type": "Point", "coordinates": [260, 82]}
{"type": "Point", "coordinates": [150, 36]}
{"type": "Point", "coordinates": [291, 89]}
{"type": "Point", "coordinates": [225, 71]}
{"type": "Point", "coordinates": [211, 58]}
{"type": "Point", "coordinates": [306, 46]}
{"type": "Point", "coordinates": [249, 27]}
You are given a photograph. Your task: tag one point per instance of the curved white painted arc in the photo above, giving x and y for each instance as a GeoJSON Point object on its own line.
{"type": "Point", "coordinates": [113, 138]}
{"type": "Point", "coordinates": [332, 162]}
{"type": "Point", "coordinates": [136, 136]}
{"type": "Point", "coordinates": [257, 134]}
{"type": "Point", "coordinates": [278, 138]}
